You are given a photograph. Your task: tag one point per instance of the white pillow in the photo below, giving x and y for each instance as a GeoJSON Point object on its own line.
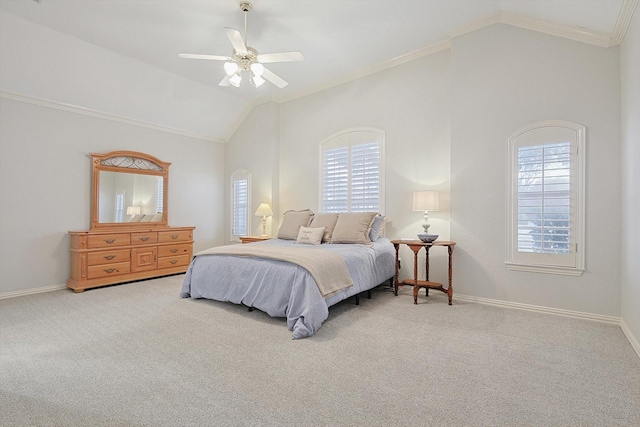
{"type": "Point", "coordinates": [377, 227]}
{"type": "Point", "coordinates": [310, 236]}
{"type": "Point", "coordinates": [353, 227]}
{"type": "Point", "coordinates": [291, 223]}
{"type": "Point", "coordinates": [327, 220]}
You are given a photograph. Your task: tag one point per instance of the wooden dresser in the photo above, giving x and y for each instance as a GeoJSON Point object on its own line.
{"type": "Point", "coordinates": [130, 237]}
{"type": "Point", "coordinates": [107, 257]}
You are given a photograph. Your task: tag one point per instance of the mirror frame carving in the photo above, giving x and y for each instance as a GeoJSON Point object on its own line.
{"type": "Point", "coordinates": [128, 162]}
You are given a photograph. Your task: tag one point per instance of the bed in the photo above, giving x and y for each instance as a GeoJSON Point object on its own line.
{"type": "Point", "coordinates": [284, 289]}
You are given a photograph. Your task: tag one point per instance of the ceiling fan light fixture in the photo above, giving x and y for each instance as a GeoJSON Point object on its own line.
{"type": "Point", "coordinates": [246, 58]}
{"type": "Point", "coordinates": [230, 68]}
{"type": "Point", "coordinates": [258, 81]}
{"type": "Point", "coordinates": [257, 69]}
{"type": "Point", "coordinates": [235, 80]}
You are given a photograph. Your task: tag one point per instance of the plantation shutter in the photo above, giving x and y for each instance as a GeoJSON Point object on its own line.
{"type": "Point", "coordinates": [365, 177]}
{"type": "Point", "coordinates": [545, 222]}
{"type": "Point", "coordinates": [544, 198]}
{"type": "Point", "coordinates": [351, 170]}
{"type": "Point", "coordinates": [335, 183]}
{"type": "Point", "coordinates": [240, 207]}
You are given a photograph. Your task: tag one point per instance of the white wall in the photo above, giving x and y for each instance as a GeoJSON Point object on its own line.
{"type": "Point", "coordinates": [45, 180]}
{"type": "Point", "coordinates": [630, 272]}
{"type": "Point", "coordinates": [45, 173]}
{"type": "Point", "coordinates": [410, 103]}
{"type": "Point", "coordinates": [254, 147]}
{"type": "Point", "coordinates": [42, 63]}
{"type": "Point", "coordinates": [504, 78]}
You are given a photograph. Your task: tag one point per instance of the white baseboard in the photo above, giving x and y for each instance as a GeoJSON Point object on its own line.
{"type": "Point", "coordinates": [39, 290]}
{"type": "Point", "coordinates": [560, 312]}
{"type": "Point", "coordinates": [541, 309]}
{"type": "Point", "coordinates": [634, 342]}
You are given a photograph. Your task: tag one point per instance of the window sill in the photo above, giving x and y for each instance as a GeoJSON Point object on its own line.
{"type": "Point", "coordinates": [563, 271]}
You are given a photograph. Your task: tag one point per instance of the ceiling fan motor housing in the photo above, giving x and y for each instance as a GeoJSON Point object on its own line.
{"type": "Point", "coordinates": [245, 60]}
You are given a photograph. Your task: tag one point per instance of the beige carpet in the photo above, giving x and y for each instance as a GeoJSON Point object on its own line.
{"type": "Point", "coordinates": [138, 355]}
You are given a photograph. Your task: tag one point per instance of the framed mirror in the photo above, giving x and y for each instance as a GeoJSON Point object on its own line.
{"type": "Point", "coordinates": [129, 190]}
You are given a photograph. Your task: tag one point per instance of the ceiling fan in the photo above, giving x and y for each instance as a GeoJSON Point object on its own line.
{"type": "Point", "coordinates": [246, 59]}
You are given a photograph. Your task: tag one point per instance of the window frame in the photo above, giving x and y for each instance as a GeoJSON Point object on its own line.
{"type": "Point", "coordinates": [545, 262]}
{"type": "Point", "coordinates": [239, 175]}
{"type": "Point", "coordinates": [348, 138]}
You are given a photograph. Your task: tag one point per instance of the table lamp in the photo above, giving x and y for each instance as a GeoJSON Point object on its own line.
{"type": "Point", "coordinates": [264, 210]}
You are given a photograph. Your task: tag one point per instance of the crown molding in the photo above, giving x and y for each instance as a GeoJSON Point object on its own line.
{"type": "Point", "coordinates": [102, 115]}
{"type": "Point", "coordinates": [622, 24]}
{"type": "Point", "coordinates": [579, 34]}
{"type": "Point", "coordinates": [411, 56]}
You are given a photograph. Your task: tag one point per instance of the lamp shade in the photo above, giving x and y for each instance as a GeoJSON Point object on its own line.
{"type": "Point", "coordinates": [264, 210]}
{"type": "Point", "coordinates": [426, 201]}
{"type": "Point", "coordinates": [133, 210]}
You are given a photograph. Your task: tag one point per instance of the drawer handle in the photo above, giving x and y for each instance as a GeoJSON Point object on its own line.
{"type": "Point", "coordinates": [109, 270]}
{"type": "Point", "coordinates": [144, 239]}
{"type": "Point", "coordinates": [110, 257]}
{"type": "Point", "coordinates": [109, 241]}
{"type": "Point", "coordinates": [173, 251]}
{"type": "Point", "coordinates": [174, 236]}
{"type": "Point", "coordinates": [173, 261]}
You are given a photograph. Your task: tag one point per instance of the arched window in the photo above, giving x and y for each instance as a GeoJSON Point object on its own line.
{"type": "Point", "coordinates": [240, 203]}
{"type": "Point", "coordinates": [545, 201]}
{"type": "Point", "coordinates": [352, 171]}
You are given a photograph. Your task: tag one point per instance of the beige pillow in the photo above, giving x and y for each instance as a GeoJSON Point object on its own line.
{"type": "Point", "coordinates": [327, 220]}
{"type": "Point", "coordinates": [310, 236]}
{"type": "Point", "coordinates": [291, 223]}
{"type": "Point", "coordinates": [353, 227]}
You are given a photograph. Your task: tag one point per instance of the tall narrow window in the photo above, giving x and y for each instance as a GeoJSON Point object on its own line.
{"type": "Point", "coordinates": [546, 198]}
{"type": "Point", "coordinates": [352, 173]}
{"type": "Point", "coordinates": [240, 205]}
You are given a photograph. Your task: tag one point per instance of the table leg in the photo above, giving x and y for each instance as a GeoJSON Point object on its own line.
{"type": "Point", "coordinates": [426, 269]}
{"type": "Point", "coordinates": [450, 290]}
{"type": "Point", "coordinates": [395, 277]}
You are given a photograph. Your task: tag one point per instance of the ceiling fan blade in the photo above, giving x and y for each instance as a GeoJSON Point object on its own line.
{"type": "Point", "coordinates": [225, 81]}
{"type": "Point", "coordinates": [281, 57]}
{"type": "Point", "coordinates": [209, 57]}
{"type": "Point", "coordinates": [236, 40]}
{"type": "Point", "coordinates": [274, 78]}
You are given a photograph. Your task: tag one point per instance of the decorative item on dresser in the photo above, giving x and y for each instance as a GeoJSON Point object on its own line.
{"type": "Point", "coordinates": [127, 244]}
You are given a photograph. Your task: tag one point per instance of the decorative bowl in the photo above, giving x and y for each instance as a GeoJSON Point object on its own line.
{"type": "Point", "coordinates": [427, 238]}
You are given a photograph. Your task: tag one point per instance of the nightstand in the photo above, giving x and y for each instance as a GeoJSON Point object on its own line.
{"type": "Point", "coordinates": [250, 239]}
{"type": "Point", "coordinates": [415, 246]}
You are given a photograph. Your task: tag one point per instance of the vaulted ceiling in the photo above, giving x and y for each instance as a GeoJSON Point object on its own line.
{"type": "Point", "coordinates": [340, 39]}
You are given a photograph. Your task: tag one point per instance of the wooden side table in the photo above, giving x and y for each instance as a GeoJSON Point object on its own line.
{"type": "Point", "coordinates": [415, 246]}
{"type": "Point", "coordinates": [249, 239]}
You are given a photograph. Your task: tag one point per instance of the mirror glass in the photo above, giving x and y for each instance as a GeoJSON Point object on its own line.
{"type": "Point", "coordinates": [130, 197]}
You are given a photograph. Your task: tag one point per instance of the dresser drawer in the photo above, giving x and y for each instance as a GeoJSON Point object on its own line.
{"type": "Point", "coordinates": [174, 250]}
{"type": "Point", "coordinates": [108, 240]}
{"type": "Point", "coordinates": [173, 261]}
{"type": "Point", "coordinates": [174, 236]}
{"type": "Point", "coordinates": [108, 257]}
{"type": "Point", "coordinates": [108, 270]}
{"type": "Point", "coordinates": [144, 238]}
